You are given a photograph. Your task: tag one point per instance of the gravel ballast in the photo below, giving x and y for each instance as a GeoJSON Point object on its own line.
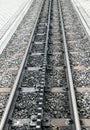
{"type": "Point", "coordinates": [12, 56]}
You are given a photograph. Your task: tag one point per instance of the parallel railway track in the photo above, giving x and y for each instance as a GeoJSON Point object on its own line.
{"type": "Point", "coordinates": [44, 80]}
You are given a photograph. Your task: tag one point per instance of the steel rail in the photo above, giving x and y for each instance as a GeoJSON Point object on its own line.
{"type": "Point", "coordinates": [69, 77]}
{"type": "Point", "coordinates": [48, 28]}
{"type": "Point", "coordinates": [42, 87]}
{"type": "Point", "coordinates": [11, 97]}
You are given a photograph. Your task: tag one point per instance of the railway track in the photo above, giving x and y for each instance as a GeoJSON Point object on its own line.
{"type": "Point", "coordinates": [43, 96]}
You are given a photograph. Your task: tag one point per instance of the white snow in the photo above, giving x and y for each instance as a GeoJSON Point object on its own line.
{"type": "Point", "coordinates": [11, 14]}
{"type": "Point", "coordinates": [8, 8]}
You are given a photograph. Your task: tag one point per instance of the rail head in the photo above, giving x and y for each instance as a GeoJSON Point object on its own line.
{"type": "Point", "coordinates": [10, 100]}
{"type": "Point", "coordinates": [69, 76]}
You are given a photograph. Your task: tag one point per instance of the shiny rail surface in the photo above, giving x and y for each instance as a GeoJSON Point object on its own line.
{"type": "Point", "coordinates": [70, 80]}
{"type": "Point", "coordinates": [6, 112]}
{"type": "Point", "coordinates": [35, 67]}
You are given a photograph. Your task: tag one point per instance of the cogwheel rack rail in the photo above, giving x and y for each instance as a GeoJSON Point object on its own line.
{"type": "Point", "coordinates": [40, 99]}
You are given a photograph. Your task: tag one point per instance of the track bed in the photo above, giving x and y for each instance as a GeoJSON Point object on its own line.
{"type": "Point", "coordinates": [51, 88]}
